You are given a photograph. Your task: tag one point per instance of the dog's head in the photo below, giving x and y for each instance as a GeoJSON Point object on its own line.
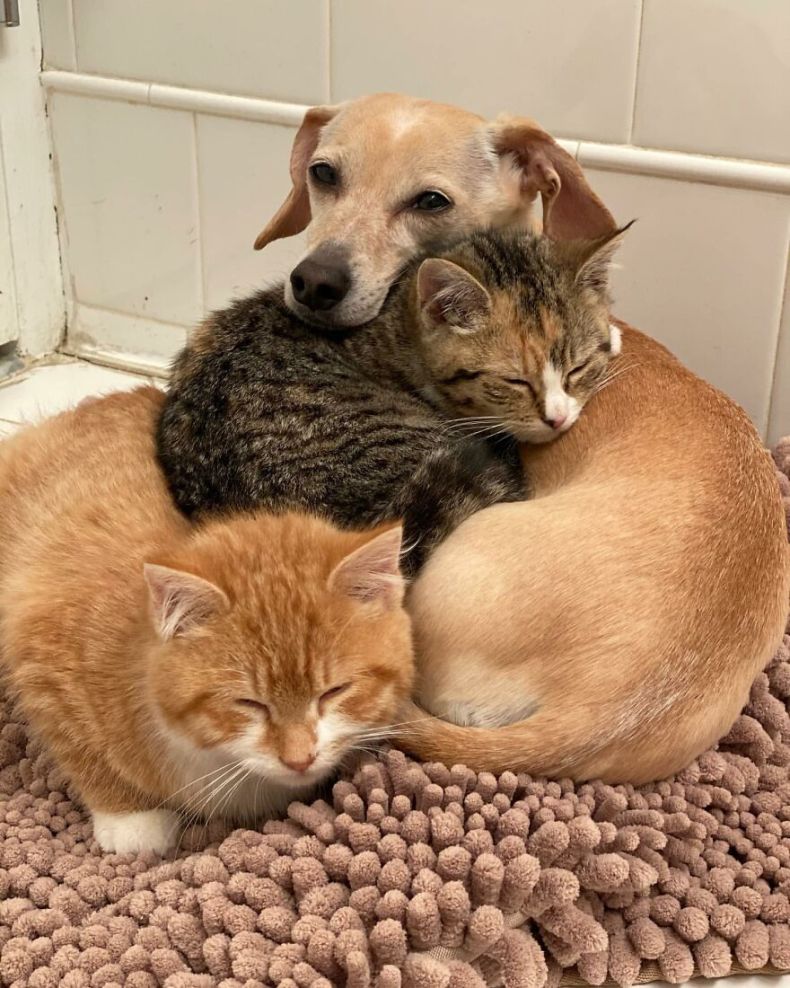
{"type": "Point", "coordinates": [383, 179]}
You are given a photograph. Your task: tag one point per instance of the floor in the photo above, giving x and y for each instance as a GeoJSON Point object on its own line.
{"type": "Point", "coordinates": [49, 388]}
{"type": "Point", "coordinates": [46, 389]}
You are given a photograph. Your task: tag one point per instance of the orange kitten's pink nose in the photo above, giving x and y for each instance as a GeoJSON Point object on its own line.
{"type": "Point", "coordinates": [558, 421]}
{"type": "Point", "coordinates": [300, 765]}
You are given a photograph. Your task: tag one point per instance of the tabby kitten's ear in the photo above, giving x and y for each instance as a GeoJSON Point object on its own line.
{"type": "Point", "coordinates": [591, 260]}
{"type": "Point", "coordinates": [371, 574]}
{"type": "Point", "coordinates": [450, 296]}
{"type": "Point", "coordinates": [180, 601]}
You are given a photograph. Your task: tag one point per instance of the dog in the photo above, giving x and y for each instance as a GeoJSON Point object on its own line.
{"type": "Point", "coordinates": [612, 625]}
{"type": "Point", "coordinates": [382, 179]}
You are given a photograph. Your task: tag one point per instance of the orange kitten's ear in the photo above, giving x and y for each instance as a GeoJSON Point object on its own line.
{"type": "Point", "coordinates": [180, 601]}
{"type": "Point", "coordinates": [451, 296]}
{"type": "Point", "coordinates": [371, 574]}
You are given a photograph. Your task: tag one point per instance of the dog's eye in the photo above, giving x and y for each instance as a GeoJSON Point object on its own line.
{"type": "Point", "coordinates": [323, 173]}
{"type": "Point", "coordinates": [431, 201]}
{"type": "Point", "coordinates": [253, 705]}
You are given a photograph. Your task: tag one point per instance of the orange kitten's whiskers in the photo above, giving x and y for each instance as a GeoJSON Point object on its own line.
{"type": "Point", "coordinates": [190, 784]}
{"type": "Point", "coordinates": [192, 661]}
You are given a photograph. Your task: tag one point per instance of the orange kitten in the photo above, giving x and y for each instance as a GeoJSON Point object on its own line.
{"type": "Point", "coordinates": [225, 669]}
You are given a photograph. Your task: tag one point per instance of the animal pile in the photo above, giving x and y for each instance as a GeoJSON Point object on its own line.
{"type": "Point", "coordinates": [420, 876]}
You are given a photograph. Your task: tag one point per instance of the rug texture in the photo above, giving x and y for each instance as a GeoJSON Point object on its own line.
{"type": "Point", "coordinates": [420, 876]}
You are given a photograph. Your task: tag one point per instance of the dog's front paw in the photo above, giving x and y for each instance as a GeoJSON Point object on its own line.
{"type": "Point", "coordinates": [133, 833]}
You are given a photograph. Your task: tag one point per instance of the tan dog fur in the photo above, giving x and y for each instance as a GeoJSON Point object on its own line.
{"type": "Point", "coordinates": [626, 609]}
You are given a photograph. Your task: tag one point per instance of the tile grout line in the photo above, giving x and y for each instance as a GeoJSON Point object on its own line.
{"type": "Point", "coordinates": [9, 238]}
{"type": "Point", "coordinates": [73, 26]}
{"type": "Point", "coordinates": [198, 219]}
{"type": "Point", "coordinates": [133, 315]}
{"type": "Point", "coordinates": [328, 80]}
{"type": "Point", "coordinates": [784, 308]}
{"type": "Point", "coordinates": [632, 125]}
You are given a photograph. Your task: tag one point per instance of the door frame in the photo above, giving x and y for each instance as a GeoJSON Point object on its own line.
{"type": "Point", "coordinates": [29, 190]}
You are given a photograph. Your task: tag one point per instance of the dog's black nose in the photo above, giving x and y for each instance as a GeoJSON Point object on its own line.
{"type": "Point", "coordinates": [322, 279]}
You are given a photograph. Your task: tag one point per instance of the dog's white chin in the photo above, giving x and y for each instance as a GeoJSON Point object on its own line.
{"type": "Point", "coordinates": [347, 315]}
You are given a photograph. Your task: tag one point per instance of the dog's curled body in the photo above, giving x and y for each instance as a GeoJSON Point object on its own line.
{"type": "Point", "coordinates": [613, 625]}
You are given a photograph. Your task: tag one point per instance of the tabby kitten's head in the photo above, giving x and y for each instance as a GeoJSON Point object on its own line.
{"type": "Point", "coordinates": [515, 329]}
{"type": "Point", "coordinates": [282, 643]}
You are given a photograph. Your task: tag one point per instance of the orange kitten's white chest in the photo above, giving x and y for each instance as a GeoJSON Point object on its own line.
{"type": "Point", "coordinates": [216, 783]}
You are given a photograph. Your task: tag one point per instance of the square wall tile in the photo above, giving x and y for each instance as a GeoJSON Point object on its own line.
{"type": "Point", "coordinates": [570, 64]}
{"type": "Point", "coordinates": [251, 47]}
{"type": "Point", "coordinates": [714, 76]}
{"type": "Point", "coordinates": [243, 179]}
{"type": "Point", "coordinates": [126, 176]}
{"type": "Point", "coordinates": [57, 34]}
{"type": "Point", "coordinates": [703, 271]}
{"type": "Point", "coordinates": [779, 421]}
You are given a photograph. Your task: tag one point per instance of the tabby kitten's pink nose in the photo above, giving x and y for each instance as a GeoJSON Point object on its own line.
{"type": "Point", "coordinates": [301, 765]}
{"type": "Point", "coordinates": [558, 421]}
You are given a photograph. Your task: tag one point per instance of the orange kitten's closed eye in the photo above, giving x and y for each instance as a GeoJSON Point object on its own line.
{"type": "Point", "coordinates": [303, 667]}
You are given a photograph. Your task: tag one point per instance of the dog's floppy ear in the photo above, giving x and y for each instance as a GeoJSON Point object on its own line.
{"type": "Point", "coordinates": [294, 214]}
{"type": "Point", "coordinates": [571, 210]}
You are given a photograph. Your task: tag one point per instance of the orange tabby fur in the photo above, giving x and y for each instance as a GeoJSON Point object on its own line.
{"type": "Point", "coordinates": [139, 699]}
{"type": "Point", "coordinates": [613, 625]}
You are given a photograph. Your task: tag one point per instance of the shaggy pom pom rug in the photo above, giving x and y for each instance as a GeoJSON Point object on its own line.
{"type": "Point", "coordinates": [420, 876]}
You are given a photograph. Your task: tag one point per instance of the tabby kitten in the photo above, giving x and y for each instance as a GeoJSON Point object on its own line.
{"type": "Point", "coordinates": [506, 334]}
{"type": "Point", "coordinates": [221, 670]}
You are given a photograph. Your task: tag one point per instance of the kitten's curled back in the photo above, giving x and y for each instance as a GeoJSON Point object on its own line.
{"type": "Point", "coordinates": [225, 669]}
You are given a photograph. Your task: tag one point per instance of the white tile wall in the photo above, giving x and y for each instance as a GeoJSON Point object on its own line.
{"type": "Point", "coordinates": [256, 47]}
{"type": "Point", "coordinates": [243, 180]}
{"type": "Point", "coordinates": [714, 76]}
{"type": "Point", "coordinates": [9, 329]}
{"type": "Point", "coordinates": [570, 64]}
{"type": "Point", "coordinates": [124, 340]}
{"type": "Point", "coordinates": [159, 207]}
{"type": "Point", "coordinates": [703, 271]}
{"type": "Point", "coordinates": [57, 34]}
{"type": "Point", "coordinates": [779, 421]}
{"type": "Point", "coordinates": [127, 188]}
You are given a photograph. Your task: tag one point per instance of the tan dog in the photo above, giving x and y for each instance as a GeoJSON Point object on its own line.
{"type": "Point", "coordinates": [382, 179]}
{"type": "Point", "coordinates": [615, 622]}
{"type": "Point", "coordinates": [626, 609]}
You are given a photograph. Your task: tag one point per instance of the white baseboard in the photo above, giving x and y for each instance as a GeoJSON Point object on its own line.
{"type": "Point", "coordinates": [116, 339]}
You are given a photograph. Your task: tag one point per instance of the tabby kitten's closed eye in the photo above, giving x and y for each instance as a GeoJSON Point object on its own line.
{"type": "Point", "coordinates": [508, 334]}
{"type": "Point", "coordinates": [516, 331]}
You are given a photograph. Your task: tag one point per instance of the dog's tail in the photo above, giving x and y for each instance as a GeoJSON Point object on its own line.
{"type": "Point", "coordinates": [553, 745]}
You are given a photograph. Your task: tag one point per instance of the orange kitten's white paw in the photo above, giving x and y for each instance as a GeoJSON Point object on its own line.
{"type": "Point", "coordinates": [131, 833]}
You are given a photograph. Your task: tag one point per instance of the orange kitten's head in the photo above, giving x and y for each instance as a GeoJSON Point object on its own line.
{"type": "Point", "coordinates": [282, 642]}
